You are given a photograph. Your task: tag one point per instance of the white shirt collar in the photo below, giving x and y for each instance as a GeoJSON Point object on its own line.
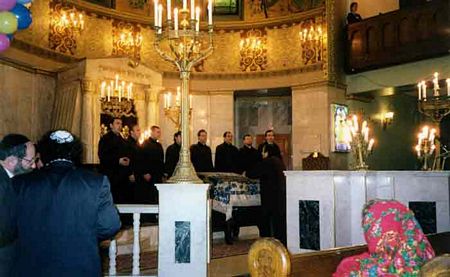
{"type": "Point", "coordinates": [10, 174]}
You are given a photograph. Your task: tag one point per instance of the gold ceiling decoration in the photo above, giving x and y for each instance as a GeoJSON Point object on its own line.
{"type": "Point", "coordinates": [253, 50]}
{"type": "Point", "coordinates": [312, 40]}
{"type": "Point", "coordinates": [66, 23]}
{"type": "Point", "coordinates": [127, 41]}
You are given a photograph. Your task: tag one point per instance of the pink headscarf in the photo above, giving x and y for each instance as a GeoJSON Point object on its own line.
{"type": "Point", "coordinates": [396, 243]}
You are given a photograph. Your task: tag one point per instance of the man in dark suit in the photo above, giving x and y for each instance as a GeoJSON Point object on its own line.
{"type": "Point", "coordinates": [17, 156]}
{"type": "Point", "coordinates": [114, 157]}
{"type": "Point", "coordinates": [153, 167]}
{"type": "Point", "coordinates": [248, 155]}
{"type": "Point", "coordinates": [269, 148]}
{"type": "Point", "coordinates": [273, 198]}
{"type": "Point", "coordinates": [173, 154]}
{"type": "Point", "coordinates": [63, 212]}
{"type": "Point", "coordinates": [353, 16]}
{"type": "Point", "coordinates": [227, 159]}
{"type": "Point", "coordinates": [201, 156]}
{"type": "Point", "coordinates": [135, 159]}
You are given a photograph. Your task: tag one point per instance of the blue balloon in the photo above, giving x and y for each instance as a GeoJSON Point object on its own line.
{"type": "Point", "coordinates": [23, 16]}
{"type": "Point", "coordinates": [23, 2]}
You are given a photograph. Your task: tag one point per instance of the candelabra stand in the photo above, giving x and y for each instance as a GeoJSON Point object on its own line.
{"type": "Point", "coordinates": [360, 151]}
{"type": "Point", "coordinates": [426, 146]}
{"type": "Point", "coordinates": [185, 50]}
{"type": "Point", "coordinates": [359, 142]}
{"type": "Point", "coordinates": [436, 106]}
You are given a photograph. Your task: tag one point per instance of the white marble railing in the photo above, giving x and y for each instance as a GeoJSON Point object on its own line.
{"type": "Point", "coordinates": [136, 210]}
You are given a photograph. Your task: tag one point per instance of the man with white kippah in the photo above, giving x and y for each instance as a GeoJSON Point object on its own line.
{"type": "Point", "coordinates": [63, 212]}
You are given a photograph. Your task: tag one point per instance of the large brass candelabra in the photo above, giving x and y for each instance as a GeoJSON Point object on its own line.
{"type": "Point", "coordinates": [184, 45]}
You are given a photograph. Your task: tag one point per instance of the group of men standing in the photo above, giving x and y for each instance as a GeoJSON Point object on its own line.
{"type": "Point", "coordinates": [134, 168]}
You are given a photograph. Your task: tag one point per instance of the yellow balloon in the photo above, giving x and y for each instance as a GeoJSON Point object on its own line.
{"type": "Point", "coordinates": [8, 23]}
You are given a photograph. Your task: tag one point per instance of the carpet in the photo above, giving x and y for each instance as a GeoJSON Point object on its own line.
{"type": "Point", "coordinates": [149, 260]}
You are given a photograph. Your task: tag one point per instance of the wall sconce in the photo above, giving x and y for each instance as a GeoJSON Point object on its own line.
{"type": "Point", "coordinates": [253, 50]}
{"type": "Point", "coordinates": [387, 119]}
{"type": "Point", "coordinates": [127, 41]}
{"type": "Point", "coordinates": [65, 24]}
{"type": "Point", "coordinates": [311, 40]}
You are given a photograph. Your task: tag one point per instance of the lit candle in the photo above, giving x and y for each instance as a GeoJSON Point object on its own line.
{"type": "Point", "coordinates": [102, 89]}
{"type": "Point", "coordinates": [155, 8]}
{"type": "Point", "coordinates": [160, 11]}
{"type": "Point", "coordinates": [418, 150]}
{"type": "Point", "coordinates": [419, 87]}
{"type": "Point", "coordinates": [177, 98]}
{"type": "Point", "coordinates": [436, 80]}
{"type": "Point", "coordinates": [175, 19]}
{"type": "Point", "coordinates": [120, 93]}
{"type": "Point", "coordinates": [210, 12]}
{"type": "Point", "coordinates": [184, 4]}
{"type": "Point", "coordinates": [169, 10]}
{"type": "Point", "coordinates": [197, 18]}
{"type": "Point", "coordinates": [355, 123]}
{"type": "Point", "coordinates": [371, 142]}
{"type": "Point", "coordinates": [109, 93]}
{"type": "Point", "coordinates": [169, 98]}
{"type": "Point", "coordinates": [425, 131]}
{"type": "Point", "coordinates": [117, 81]}
{"type": "Point", "coordinates": [366, 135]}
{"type": "Point", "coordinates": [165, 101]}
{"type": "Point", "coordinates": [192, 9]}
{"type": "Point", "coordinates": [448, 86]}
{"type": "Point", "coordinates": [432, 135]}
{"type": "Point", "coordinates": [424, 90]}
{"type": "Point", "coordinates": [190, 101]}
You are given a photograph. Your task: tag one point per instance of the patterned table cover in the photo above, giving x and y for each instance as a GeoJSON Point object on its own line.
{"type": "Point", "coordinates": [230, 190]}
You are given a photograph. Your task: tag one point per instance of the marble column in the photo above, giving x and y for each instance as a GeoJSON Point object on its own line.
{"type": "Point", "coordinates": [311, 123]}
{"type": "Point", "coordinates": [141, 108]}
{"type": "Point", "coordinates": [152, 104]}
{"type": "Point", "coordinates": [183, 229]}
{"type": "Point", "coordinates": [87, 120]}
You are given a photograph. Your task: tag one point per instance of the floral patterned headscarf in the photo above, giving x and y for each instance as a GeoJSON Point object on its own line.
{"type": "Point", "coordinates": [396, 243]}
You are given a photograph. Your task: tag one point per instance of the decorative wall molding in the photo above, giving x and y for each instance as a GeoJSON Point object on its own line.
{"type": "Point", "coordinates": [248, 75]}
{"type": "Point", "coordinates": [26, 67]}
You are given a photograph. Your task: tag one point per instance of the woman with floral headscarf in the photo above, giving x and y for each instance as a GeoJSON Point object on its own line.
{"type": "Point", "coordinates": [396, 243]}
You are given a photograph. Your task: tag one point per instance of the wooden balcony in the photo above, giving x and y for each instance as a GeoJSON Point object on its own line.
{"type": "Point", "coordinates": [402, 36]}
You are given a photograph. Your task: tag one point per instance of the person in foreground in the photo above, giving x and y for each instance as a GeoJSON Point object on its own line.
{"type": "Point", "coordinates": [396, 243]}
{"type": "Point", "coordinates": [63, 212]}
{"type": "Point", "coordinates": [17, 156]}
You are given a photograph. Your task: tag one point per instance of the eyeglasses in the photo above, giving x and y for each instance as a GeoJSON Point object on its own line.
{"type": "Point", "coordinates": [32, 161]}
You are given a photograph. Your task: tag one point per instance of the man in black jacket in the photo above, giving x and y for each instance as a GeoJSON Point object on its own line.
{"type": "Point", "coordinates": [227, 159]}
{"type": "Point", "coordinates": [114, 157]}
{"type": "Point", "coordinates": [248, 155]}
{"type": "Point", "coordinates": [269, 148]}
{"type": "Point", "coordinates": [173, 154]}
{"type": "Point", "coordinates": [201, 156]}
{"type": "Point", "coordinates": [353, 16]}
{"type": "Point", "coordinates": [153, 166]}
{"type": "Point", "coordinates": [62, 213]}
{"type": "Point", "coordinates": [135, 150]}
{"type": "Point", "coordinates": [17, 156]}
{"type": "Point", "coordinates": [273, 198]}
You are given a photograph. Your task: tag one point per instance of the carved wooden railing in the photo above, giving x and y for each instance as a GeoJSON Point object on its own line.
{"type": "Point", "coordinates": [136, 210]}
{"type": "Point", "coordinates": [398, 37]}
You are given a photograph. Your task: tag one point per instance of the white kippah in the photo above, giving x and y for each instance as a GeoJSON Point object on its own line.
{"type": "Point", "coordinates": [61, 136]}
